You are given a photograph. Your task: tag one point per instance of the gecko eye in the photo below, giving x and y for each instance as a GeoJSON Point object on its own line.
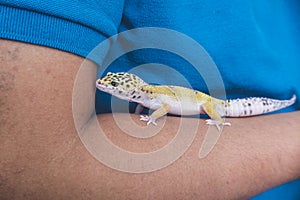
{"type": "Point", "coordinates": [114, 83]}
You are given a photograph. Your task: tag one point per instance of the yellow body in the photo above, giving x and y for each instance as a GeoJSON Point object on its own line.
{"type": "Point", "coordinates": [162, 99]}
{"type": "Point", "coordinates": [184, 101]}
{"type": "Point", "coordinates": [181, 101]}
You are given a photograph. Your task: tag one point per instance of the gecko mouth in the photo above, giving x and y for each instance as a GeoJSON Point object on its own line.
{"type": "Point", "coordinates": [100, 86]}
{"type": "Point", "coordinates": [104, 88]}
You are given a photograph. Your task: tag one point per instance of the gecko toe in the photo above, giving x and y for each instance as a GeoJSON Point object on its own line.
{"type": "Point", "coordinates": [144, 118]}
{"type": "Point", "coordinates": [217, 123]}
{"type": "Point", "coordinates": [210, 122]}
{"type": "Point", "coordinates": [148, 119]}
{"type": "Point", "coordinates": [226, 124]}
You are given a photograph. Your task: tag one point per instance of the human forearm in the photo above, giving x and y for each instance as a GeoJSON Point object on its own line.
{"type": "Point", "coordinates": [251, 156]}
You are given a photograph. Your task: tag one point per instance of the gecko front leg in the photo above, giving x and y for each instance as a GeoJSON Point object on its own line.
{"type": "Point", "coordinates": [155, 115]}
{"type": "Point", "coordinates": [149, 119]}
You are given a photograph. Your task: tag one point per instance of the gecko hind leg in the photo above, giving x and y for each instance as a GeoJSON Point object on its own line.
{"type": "Point", "coordinates": [217, 123]}
{"type": "Point", "coordinates": [210, 109]}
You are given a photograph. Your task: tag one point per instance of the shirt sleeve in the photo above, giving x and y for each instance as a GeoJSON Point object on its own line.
{"type": "Point", "coordinates": [72, 26]}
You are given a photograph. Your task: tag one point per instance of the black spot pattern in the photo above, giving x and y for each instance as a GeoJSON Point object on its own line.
{"type": "Point", "coordinates": [254, 106]}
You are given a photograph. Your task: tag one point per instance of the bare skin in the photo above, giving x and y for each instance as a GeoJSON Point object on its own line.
{"type": "Point", "coordinates": [42, 157]}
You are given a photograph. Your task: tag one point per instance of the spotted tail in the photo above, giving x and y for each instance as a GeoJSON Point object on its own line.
{"type": "Point", "coordinates": [254, 106]}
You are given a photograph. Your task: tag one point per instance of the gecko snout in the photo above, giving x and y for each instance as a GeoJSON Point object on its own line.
{"type": "Point", "coordinates": [99, 81]}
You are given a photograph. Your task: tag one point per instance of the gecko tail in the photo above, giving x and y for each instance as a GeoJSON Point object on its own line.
{"type": "Point", "coordinates": [254, 106]}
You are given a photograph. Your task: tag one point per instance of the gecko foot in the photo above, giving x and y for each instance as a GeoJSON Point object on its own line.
{"type": "Point", "coordinates": [148, 119]}
{"type": "Point", "coordinates": [216, 123]}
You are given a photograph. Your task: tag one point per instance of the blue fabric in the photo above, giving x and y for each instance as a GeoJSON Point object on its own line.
{"type": "Point", "coordinates": [73, 26]}
{"type": "Point", "coordinates": [255, 55]}
{"type": "Point", "coordinates": [289, 191]}
{"type": "Point", "coordinates": [255, 43]}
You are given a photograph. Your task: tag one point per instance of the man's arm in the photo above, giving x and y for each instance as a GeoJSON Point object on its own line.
{"type": "Point", "coordinates": [251, 156]}
{"type": "Point", "coordinates": [42, 157]}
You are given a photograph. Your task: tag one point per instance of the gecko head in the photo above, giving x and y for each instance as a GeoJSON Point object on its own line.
{"type": "Point", "coordinates": [121, 84]}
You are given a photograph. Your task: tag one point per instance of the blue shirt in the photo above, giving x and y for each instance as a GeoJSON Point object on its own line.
{"type": "Point", "coordinates": [254, 43]}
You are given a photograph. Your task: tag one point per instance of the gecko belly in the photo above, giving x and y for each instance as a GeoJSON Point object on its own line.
{"type": "Point", "coordinates": [183, 107]}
